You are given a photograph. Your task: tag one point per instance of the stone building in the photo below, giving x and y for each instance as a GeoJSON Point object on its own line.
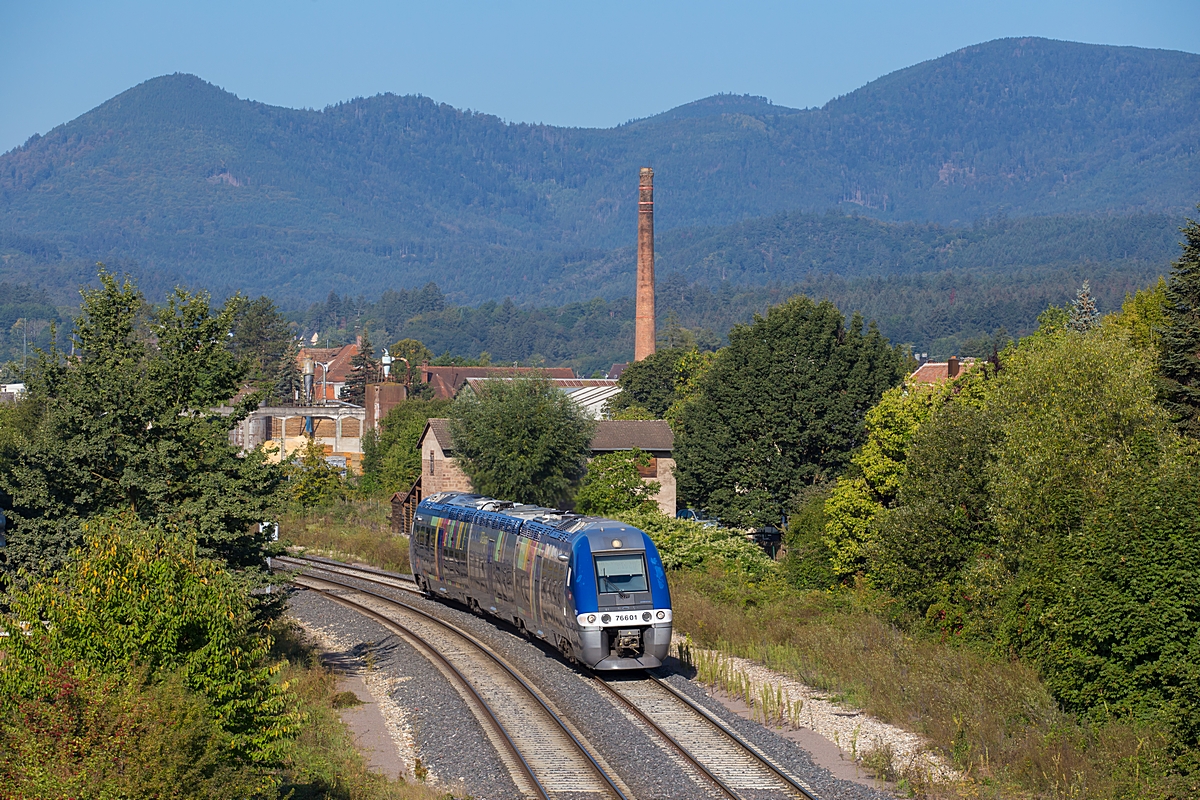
{"type": "Point", "coordinates": [440, 471]}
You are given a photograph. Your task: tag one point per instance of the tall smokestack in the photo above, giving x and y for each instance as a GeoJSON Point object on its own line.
{"type": "Point", "coordinates": [643, 337]}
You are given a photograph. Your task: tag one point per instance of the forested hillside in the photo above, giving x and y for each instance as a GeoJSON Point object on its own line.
{"type": "Point", "coordinates": [187, 183]}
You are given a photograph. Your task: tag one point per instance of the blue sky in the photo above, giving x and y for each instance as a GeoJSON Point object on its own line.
{"type": "Point", "coordinates": [564, 63]}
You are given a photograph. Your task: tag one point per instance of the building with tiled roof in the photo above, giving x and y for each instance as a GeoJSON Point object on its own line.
{"type": "Point", "coordinates": [337, 359]}
{"type": "Point", "coordinates": [939, 371]}
{"type": "Point", "coordinates": [447, 381]}
{"type": "Point", "coordinates": [440, 471]}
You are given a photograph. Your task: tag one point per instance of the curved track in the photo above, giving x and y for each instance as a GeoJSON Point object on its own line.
{"type": "Point", "coordinates": [735, 767]}
{"type": "Point", "coordinates": [543, 753]}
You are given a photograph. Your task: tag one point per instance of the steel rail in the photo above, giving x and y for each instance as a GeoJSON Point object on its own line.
{"type": "Point", "coordinates": [683, 751]}
{"type": "Point", "coordinates": [746, 746]}
{"type": "Point", "coordinates": [485, 650]}
{"type": "Point", "coordinates": [749, 749]}
{"type": "Point", "coordinates": [396, 627]}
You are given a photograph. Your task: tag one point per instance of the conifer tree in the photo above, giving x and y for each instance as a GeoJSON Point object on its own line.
{"type": "Point", "coordinates": [364, 369]}
{"type": "Point", "coordinates": [1083, 310]}
{"type": "Point", "coordinates": [1179, 365]}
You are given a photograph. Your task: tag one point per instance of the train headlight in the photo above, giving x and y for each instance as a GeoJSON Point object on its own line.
{"type": "Point", "coordinates": [662, 614]}
{"type": "Point", "coordinates": [606, 619]}
{"type": "Point", "coordinates": [591, 618]}
{"type": "Point", "coordinates": [616, 543]}
{"type": "Point", "coordinates": [645, 616]}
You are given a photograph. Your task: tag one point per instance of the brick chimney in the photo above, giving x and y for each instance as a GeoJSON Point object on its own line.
{"type": "Point", "coordinates": [952, 367]}
{"type": "Point", "coordinates": [643, 337]}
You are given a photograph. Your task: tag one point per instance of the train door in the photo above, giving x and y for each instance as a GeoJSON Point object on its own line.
{"type": "Point", "coordinates": [552, 589]}
{"type": "Point", "coordinates": [503, 572]}
{"type": "Point", "coordinates": [478, 554]}
{"type": "Point", "coordinates": [523, 574]}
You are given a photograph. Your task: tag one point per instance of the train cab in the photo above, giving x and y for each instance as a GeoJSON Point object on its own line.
{"type": "Point", "coordinates": [623, 604]}
{"type": "Point", "coordinates": [594, 587]}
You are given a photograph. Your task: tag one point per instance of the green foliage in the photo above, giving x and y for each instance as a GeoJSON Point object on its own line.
{"type": "Point", "coordinates": [131, 424]}
{"type": "Point", "coordinates": [138, 598]}
{"type": "Point", "coordinates": [684, 544]}
{"type": "Point", "coordinates": [1049, 508]}
{"type": "Point", "coordinates": [650, 383]}
{"type": "Point", "coordinates": [859, 496]}
{"type": "Point", "coordinates": [312, 481]}
{"type": "Point", "coordinates": [932, 550]}
{"type": "Point", "coordinates": [92, 735]}
{"type": "Point", "coordinates": [780, 409]}
{"type": "Point", "coordinates": [261, 339]}
{"type": "Point", "coordinates": [521, 440]}
{"type": "Point", "coordinates": [631, 412]}
{"type": "Point", "coordinates": [1143, 316]}
{"type": "Point", "coordinates": [1179, 364]}
{"type": "Point", "coordinates": [391, 461]}
{"type": "Point", "coordinates": [364, 369]}
{"type": "Point", "coordinates": [612, 485]}
{"type": "Point", "coordinates": [808, 561]}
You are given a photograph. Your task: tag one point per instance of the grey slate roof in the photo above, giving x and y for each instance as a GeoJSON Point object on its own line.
{"type": "Point", "coordinates": [611, 434]}
{"type": "Point", "coordinates": [625, 434]}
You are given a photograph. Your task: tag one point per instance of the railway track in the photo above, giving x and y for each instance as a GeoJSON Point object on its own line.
{"type": "Point", "coordinates": [734, 767]}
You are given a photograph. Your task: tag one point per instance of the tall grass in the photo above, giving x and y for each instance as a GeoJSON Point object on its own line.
{"type": "Point", "coordinates": [991, 717]}
{"type": "Point", "coordinates": [351, 530]}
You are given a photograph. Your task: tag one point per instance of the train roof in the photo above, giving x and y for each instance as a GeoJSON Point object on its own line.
{"type": "Point", "coordinates": [536, 522]}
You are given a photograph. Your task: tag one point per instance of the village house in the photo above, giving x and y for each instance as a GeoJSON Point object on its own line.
{"type": "Point", "coordinates": [939, 371]}
{"type": "Point", "coordinates": [440, 471]}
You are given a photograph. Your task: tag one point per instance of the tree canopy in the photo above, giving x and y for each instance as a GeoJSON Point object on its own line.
{"type": "Point", "coordinates": [132, 423]}
{"type": "Point", "coordinates": [1180, 338]}
{"type": "Point", "coordinates": [522, 440]}
{"type": "Point", "coordinates": [781, 408]}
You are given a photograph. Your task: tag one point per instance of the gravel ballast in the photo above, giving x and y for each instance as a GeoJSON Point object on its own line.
{"type": "Point", "coordinates": [645, 765]}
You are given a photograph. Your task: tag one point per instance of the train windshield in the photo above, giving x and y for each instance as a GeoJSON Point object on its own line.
{"type": "Point", "coordinates": [621, 574]}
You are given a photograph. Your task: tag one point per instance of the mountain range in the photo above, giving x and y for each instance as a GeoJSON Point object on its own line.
{"type": "Point", "coordinates": [1013, 154]}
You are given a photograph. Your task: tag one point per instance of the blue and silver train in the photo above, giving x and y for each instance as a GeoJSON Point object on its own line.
{"type": "Point", "coordinates": [594, 588]}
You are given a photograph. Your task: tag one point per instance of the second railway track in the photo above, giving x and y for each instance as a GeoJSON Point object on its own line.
{"type": "Point", "coordinates": [557, 760]}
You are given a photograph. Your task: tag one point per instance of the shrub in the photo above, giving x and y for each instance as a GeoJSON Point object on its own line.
{"type": "Point", "coordinates": [684, 544]}
{"type": "Point", "coordinates": [136, 598]}
{"type": "Point", "coordinates": [612, 485]}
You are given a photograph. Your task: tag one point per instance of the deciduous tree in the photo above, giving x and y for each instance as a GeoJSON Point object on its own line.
{"type": "Point", "coordinates": [131, 424]}
{"type": "Point", "coordinates": [780, 409]}
{"type": "Point", "coordinates": [613, 485]}
{"type": "Point", "coordinates": [521, 440]}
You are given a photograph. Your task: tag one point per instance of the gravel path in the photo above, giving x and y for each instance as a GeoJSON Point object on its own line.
{"type": "Point", "coordinates": [442, 726]}
{"type": "Point", "coordinates": [649, 769]}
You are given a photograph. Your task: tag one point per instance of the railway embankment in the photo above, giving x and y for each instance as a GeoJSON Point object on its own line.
{"type": "Point", "coordinates": [447, 735]}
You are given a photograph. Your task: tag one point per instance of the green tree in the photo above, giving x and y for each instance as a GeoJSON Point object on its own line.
{"type": "Point", "coordinates": [925, 549]}
{"type": "Point", "coordinates": [1143, 316]}
{"type": "Point", "coordinates": [260, 339]}
{"type": "Point", "coordinates": [613, 485]}
{"type": "Point", "coordinates": [878, 469]}
{"type": "Point", "coordinates": [131, 424]}
{"type": "Point", "coordinates": [364, 369]}
{"type": "Point", "coordinates": [313, 481]}
{"type": "Point", "coordinates": [289, 383]}
{"type": "Point", "coordinates": [650, 383]}
{"type": "Point", "coordinates": [521, 440]}
{"type": "Point", "coordinates": [781, 408]}
{"type": "Point", "coordinates": [391, 460]}
{"type": "Point", "coordinates": [1179, 364]}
